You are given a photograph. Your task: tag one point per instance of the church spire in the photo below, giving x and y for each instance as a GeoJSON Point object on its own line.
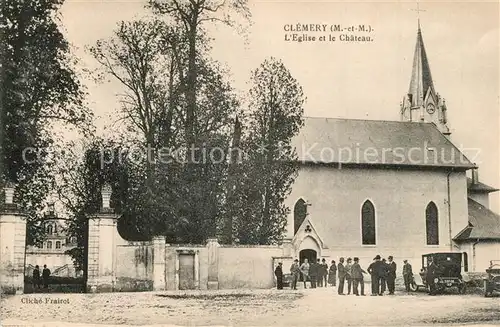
{"type": "Point", "coordinates": [422, 103]}
{"type": "Point", "coordinates": [421, 78]}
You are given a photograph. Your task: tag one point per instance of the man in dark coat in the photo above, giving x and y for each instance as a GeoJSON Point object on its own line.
{"type": "Point", "coordinates": [383, 276]}
{"type": "Point", "coordinates": [341, 274]}
{"type": "Point", "coordinates": [319, 278]}
{"type": "Point", "coordinates": [407, 275]}
{"type": "Point", "coordinates": [295, 271]}
{"type": "Point", "coordinates": [431, 274]}
{"type": "Point", "coordinates": [313, 273]}
{"type": "Point", "coordinates": [324, 272]}
{"type": "Point", "coordinates": [375, 269]}
{"type": "Point", "coordinates": [36, 277]}
{"type": "Point", "coordinates": [391, 275]}
{"type": "Point", "coordinates": [45, 276]}
{"type": "Point", "coordinates": [278, 272]}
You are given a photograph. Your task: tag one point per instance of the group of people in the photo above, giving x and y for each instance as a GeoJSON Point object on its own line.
{"type": "Point", "coordinates": [43, 279]}
{"type": "Point", "coordinates": [383, 275]}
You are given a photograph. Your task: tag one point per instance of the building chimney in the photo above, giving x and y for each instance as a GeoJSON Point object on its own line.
{"type": "Point", "coordinates": [475, 175]}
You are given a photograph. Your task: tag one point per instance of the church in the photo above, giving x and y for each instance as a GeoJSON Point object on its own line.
{"type": "Point", "coordinates": [399, 188]}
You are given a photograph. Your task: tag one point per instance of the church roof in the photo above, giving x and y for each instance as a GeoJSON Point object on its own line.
{"type": "Point", "coordinates": [421, 79]}
{"type": "Point", "coordinates": [479, 187]}
{"type": "Point", "coordinates": [483, 223]}
{"type": "Point", "coordinates": [374, 142]}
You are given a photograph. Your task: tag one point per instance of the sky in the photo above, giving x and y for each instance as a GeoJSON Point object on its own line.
{"type": "Point", "coordinates": [345, 80]}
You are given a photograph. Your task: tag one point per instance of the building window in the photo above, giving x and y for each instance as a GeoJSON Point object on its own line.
{"type": "Point", "coordinates": [49, 244]}
{"type": "Point", "coordinates": [368, 231]}
{"type": "Point", "coordinates": [431, 224]}
{"type": "Point", "coordinates": [299, 214]}
{"type": "Point", "coordinates": [49, 229]}
{"type": "Point", "coordinates": [58, 245]}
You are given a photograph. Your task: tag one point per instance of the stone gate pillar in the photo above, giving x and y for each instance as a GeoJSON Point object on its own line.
{"type": "Point", "coordinates": [12, 245]}
{"type": "Point", "coordinates": [159, 277]}
{"type": "Point", "coordinates": [102, 247]}
{"type": "Point", "coordinates": [213, 264]}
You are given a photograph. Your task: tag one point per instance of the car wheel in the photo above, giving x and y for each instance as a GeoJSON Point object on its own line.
{"type": "Point", "coordinates": [413, 287]}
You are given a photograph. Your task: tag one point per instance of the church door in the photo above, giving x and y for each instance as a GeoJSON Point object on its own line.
{"type": "Point", "coordinates": [308, 254]}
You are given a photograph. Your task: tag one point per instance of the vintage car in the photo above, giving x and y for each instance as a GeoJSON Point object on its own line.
{"type": "Point", "coordinates": [448, 272]}
{"type": "Point", "coordinates": [492, 281]}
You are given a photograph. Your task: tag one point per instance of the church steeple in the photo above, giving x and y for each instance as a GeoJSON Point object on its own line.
{"type": "Point", "coordinates": [421, 79]}
{"type": "Point", "coordinates": [422, 103]}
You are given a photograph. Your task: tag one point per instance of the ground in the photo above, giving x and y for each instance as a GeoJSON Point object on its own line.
{"type": "Point", "coordinates": [311, 307]}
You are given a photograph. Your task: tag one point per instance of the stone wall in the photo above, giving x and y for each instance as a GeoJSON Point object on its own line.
{"type": "Point", "coordinates": [117, 265]}
{"type": "Point", "coordinates": [59, 263]}
{"type": "Point", "coordinates": [247, 266]}
{"type": "Point", "coordinates": [114, 264]}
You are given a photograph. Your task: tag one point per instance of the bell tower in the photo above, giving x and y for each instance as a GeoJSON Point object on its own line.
{"type": "Point", "coordinates": [422, 103]}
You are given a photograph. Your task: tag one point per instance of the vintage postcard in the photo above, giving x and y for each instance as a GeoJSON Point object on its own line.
{"type": "Point", "coordinates": [249, 163]}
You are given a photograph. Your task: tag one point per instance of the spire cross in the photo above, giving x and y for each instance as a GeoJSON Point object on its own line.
{"type": "Point", "coordinates": [418, 10]}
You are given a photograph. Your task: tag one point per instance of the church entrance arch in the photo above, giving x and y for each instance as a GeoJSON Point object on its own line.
{"type": "Point", "coordinates": [308, 254]}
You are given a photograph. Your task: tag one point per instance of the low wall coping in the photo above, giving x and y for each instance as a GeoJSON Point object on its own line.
{"type": "Point", "coordinates": [185, 245]}
{"type": "Point", "coordinates": [238, 246]}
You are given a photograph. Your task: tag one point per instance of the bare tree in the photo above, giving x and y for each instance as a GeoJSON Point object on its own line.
{"type": "Point", "coordinates": [191, 15]}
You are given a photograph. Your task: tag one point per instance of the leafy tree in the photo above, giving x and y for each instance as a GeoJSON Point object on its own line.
{"type": "Point", "coordinates": [149, 58]}
{"type": "Point", "coordinates": [191, 16]}
{"type": "Point", "coordinates": [269, 169]}
{"type": "Point", "coordinates": [39, 87]}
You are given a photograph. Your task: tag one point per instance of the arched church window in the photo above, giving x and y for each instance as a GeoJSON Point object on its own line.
{"type": "Point", "coordinates": [49, 229]}
{"type": "Point", "coordinates": [368, 231]}
{"type": "Point", "coordinates": [58, 245]}
{"type": "Point", "coordinates": [49, 244]}
{"type": "Point", "coordinates": [431, 224]}
{"type": "Point", "coordinates": [299, 214]}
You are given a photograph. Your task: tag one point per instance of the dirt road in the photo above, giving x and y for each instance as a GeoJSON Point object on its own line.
{"type": "Point", "coordinates": [311, 307]}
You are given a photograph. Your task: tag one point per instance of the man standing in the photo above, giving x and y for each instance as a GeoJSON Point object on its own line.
{"type": "Point", "coordinates": [357, 277]}
{"type": "Point", "coordinates": [391, 275]}
{"type": "Point", "coordinates": [304, 269]}
{"type": "Point", "coordinates": [431, 273]}
{"type": "Point", "coordinates": [313, 273]}
{"type": "Point", "coordinates": [332, 274]}
{"type": "Point", "coordinates": [279, 275]}
{"type": "Point", "coordinates": [295, 271]}
{"type": "Point", "coordinates": [324, 271]}
{"type": "Point", "coordinates": [383, 276]}
{"type": "Point", "coordinates": [36, 277]}
{"type": "Point", "coordinates": [407, 275]}
{"type": "Point", "coordinates": [341, 273]}
{"type": "Point", "coordinates": [375, 268]}
{"type": "Point", "coordinates": [45, 277]}
{"type": "Point", "coordinates": [348, 275]}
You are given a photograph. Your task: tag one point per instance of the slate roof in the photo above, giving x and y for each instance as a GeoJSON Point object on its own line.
{"type": "Point", "coordinates": [375, 142]}
{"type": "Point", "coordinates": [479, 187]}
{"type": "Point", "coordinates": [483, 223]}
